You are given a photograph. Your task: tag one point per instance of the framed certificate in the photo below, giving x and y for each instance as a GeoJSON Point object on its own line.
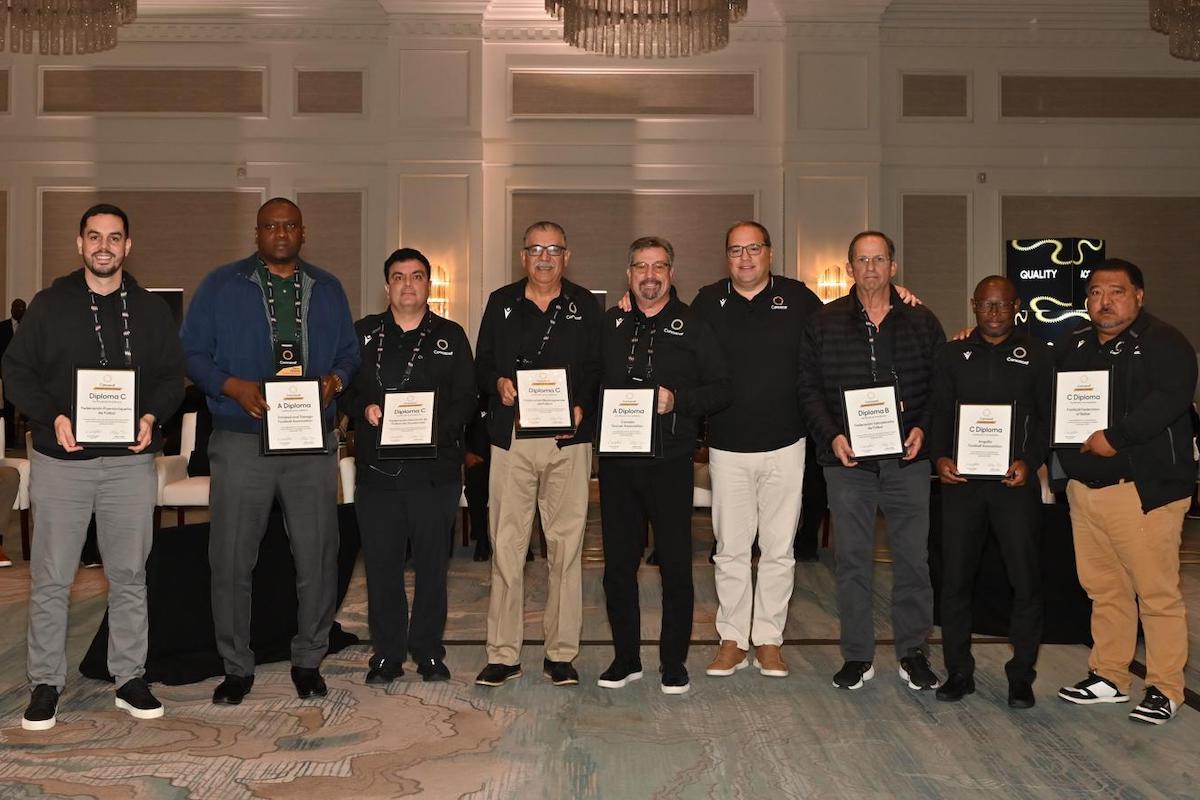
{"type": "Point", "coordinates": [1082, 405]}
{"type": "Point", "coordinates": [872, 416]}
{"type": "Point", "coordinates": [408, 427]}
{"type": "Point", "coordinates": [295, 422]}
{"type": "Point", "coordinates": [983, 439]}
{"type": "Point", "coordinates": [544, 406]}
{"type": "Point", "coordinates": [628, 422]}
{"type": "Point", "coordinates": [104, 411]}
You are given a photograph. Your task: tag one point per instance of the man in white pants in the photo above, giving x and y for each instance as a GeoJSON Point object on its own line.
{"type": "Point", "coordinates": [756, 448]}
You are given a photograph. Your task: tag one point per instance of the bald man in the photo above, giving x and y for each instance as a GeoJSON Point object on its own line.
{"type": "Point", "coordinates": [997, 365]}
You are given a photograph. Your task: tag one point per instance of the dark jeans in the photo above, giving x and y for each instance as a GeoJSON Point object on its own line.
{"type": "Point", "coordinates": [814, 504]}
{"type": "Point", "coordinates": [387, 521]}
{"type": "Point", "coordinates": [1014, 516]}
{"type": "Point", "coordinates": [632, 492]}
{"type": "Point", "coordinates": [903, 496]}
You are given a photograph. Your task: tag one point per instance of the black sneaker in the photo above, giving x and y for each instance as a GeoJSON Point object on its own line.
{"type": "Point", "coordinates": [135, 697]}
{"type": "Point", "coordinates": [956, 687]}
{"type": "Point", "coordinates": [1020, 694]}
{"type": "Point", "coordinates": [43, 704]}
{"type": "Point", "coordinates": [1091, 690]}
{"type": "Point", "coordinates": [382, 671]}
{"type": "Point", "coordinates": [915, 671]}
{"type": "Point", "coordinates": [1156, 708]}
{"type": "Point", "coordinates": [498, 674]}
{"type": "Point", "coordinates": [853, 675]}
{"type": "Point", "coordinates": [675, 679]}
{"type": "Point", "coordinates": [619, 675]}
{"type": "Point", "coordinates": [560, 673]}
{"type": "Point", "coordinates": [432, 669]}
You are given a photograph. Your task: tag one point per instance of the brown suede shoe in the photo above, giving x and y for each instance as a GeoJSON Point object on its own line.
{"type": "Point", "coordinates": [730, 658]}
{"type": "Point", "coordinates": [770, 661]}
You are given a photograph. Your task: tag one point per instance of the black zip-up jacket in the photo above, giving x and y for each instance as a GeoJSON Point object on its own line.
{"type": "Point", "coordinates": [834, 353]}
{"type": "Point", "coordinates": [58, 334]}
{"type": "Point", "coordinates": [445, 364]}
{"type": "Point", "coordinates": [761, 341]}
{"type": "Point", "coordinates": [512, 327]}
{"type": "Point", "coordinates": [1017, 371]}
{"type": "Point", "coordinates": [687, 360]}
{"type": "Point", "coordinates": [1154, 377]}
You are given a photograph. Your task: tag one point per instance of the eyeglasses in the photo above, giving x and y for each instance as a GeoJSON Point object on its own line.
{"type": "Point", "coordinates": [552, 250]}
{"type": "Point", "coordinates": [993, 307]}
{"type": "Point", "coordinates": [642, 266]}
{"type": "Point", "coordinates": [736, 250]}
{"type": "Point", "coordinates": [878, 261]}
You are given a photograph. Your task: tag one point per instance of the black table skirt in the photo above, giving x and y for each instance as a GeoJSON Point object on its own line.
{"type": "Point", "coordinates": [183, 645]}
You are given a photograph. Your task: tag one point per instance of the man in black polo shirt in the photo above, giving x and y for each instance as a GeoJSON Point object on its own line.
{"type": "Point", "coordinates": [542, 321]}
{"type": "Point", "coordinates": [756, 447]}
{"type": "Point", "coordinates": [997, 364]}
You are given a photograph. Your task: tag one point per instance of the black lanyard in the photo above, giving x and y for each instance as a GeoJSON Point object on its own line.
{"type": "Point", "coordinates": [872, 329]}
{"type": "Point", "coordinates": [270, 289]}
{"type": "Point", "coordinates": [629, 363]}
{"type": "Point", "coordinates": [128, 354]}
{"type": "Point", "coordinates": [522, 361]}
{"type": "Point", "coordinates": [426, 326]}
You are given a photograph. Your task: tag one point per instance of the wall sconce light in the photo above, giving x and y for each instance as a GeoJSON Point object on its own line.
{"type": "Point", "coordinates": [832, 284]}
{"type": "Point", "coordinates": [439, 290]}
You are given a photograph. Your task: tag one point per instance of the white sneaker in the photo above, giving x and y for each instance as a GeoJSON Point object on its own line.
{"type": "Point", "coordinates": [1156, 708]}
{"type": "Point", "coordinates": [1093, 689]}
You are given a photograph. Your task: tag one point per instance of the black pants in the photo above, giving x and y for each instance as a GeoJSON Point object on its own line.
{"type": "Point", "coordinates": [387, 521]}
{"type": "Point", "coordinates": [1014, 516]}
{"type": "Point", "coordinates": [632, 492]}
{"type": "Point", "coordinates": [814, 502]}
{"type": "Point", "coordinates": [475, 487]}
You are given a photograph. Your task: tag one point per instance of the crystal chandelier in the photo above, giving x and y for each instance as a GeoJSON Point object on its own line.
{"type": "Point", "coordinates": [647, 28]}
{"type": "Point", "coordinates": [1180, 20]}
{"type": "Point", "coordinates": [63, 26]}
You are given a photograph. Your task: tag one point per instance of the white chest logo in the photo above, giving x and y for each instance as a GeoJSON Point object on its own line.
{"type": "Point", "coordinates": [507, 311]}
{"type": "Point", "coordinates": [1079, 344]}
{"type": "Point", "coordinates": [366, 340]}
{"type": "Point", "coordinates": [619, 321]}
{"type": "Point", "coordinates": [1019, 352]}
{"type": "Point", "coordinates": [967, 355]}
{"type": "Point", "coordinates": [723, 302]}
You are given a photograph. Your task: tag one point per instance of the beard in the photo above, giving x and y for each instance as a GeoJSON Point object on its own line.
{"type": "Point", "coordinates": [650, 290]}
{"type": "Point", "coordinates": [103, 271]}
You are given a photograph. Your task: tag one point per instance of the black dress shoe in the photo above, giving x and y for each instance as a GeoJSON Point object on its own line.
{"type": "Point", "coordinates": [231, 690]}
{"type": "Point", "coordinates": [432, 669]}
{"type": "Point", "coordinates": [483, 551]}
{"type": "Point", "coordinates": [1020, 694]}
{"type": "Point", "coordinates": [308, 682]}
{"type": "Point", "coordinates": [955, 687]}
{"type": "Point", "coordinates": [560, 673]}
{"type": "Point", "coordinates": [807, 556]}
{"type": "Point", "coordinates": [498, 674]}
{"type": "Point", "coordinates": [382, 671]}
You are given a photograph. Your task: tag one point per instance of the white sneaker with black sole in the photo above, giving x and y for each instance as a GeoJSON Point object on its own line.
{"type": "Point", "coordinates": [1156, 708]}
{"type": "Point", "coordinates": [1091, 690]}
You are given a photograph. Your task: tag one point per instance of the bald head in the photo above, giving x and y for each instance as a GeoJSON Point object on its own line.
{"type": "Point", "coordinates": [995, 303]}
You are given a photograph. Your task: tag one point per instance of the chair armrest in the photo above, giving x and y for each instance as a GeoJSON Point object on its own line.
{"type": "Point", "coordinates": [170, 469]}
{"type": "Point", "coordinates": [21, 465]}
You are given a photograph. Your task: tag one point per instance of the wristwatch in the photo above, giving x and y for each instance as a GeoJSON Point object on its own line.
{"type": "Point", "coordinates": [336, 380]}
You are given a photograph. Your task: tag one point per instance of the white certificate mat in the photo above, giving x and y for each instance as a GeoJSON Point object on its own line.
{"type": "Point", "coordinates": [983, 440]}
{"type": "Point", "coordinates": [407, 419]}
{"type": "Point", "coordinates": [105, 412]}
{"type": "Point", "coordinates": [1082, 401]}
{"type": "Point", "coordinates": [294, 423]}
{"type": "Point", "coordinates": [873, 421]}
{"type": "Point", "coordinates": [544, 402]}
{"type": "Point", "coordinates": [627, 421]}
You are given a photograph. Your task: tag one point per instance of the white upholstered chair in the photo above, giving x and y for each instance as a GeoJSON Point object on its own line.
{"type": "Point", "coordinates": [21, 465]}
{"type": "Point", "coordinates": [177, 489]}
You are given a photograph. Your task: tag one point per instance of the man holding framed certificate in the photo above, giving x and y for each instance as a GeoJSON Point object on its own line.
{"type": "Point", "coordinates": [866, 362]}
{"type": "Point", "coordinates": [409, 404]}
{"type": "Point", "coordinates": [540, 336]}
{"type": "Point", "coordinates": [663, 371]}
{"type": "Point", "coordinates": [272, 315]}
{"type": "Point", "coordinates": [988, 438]}
{"type": "Point", "coordinates": [95, 366]}
{"type": "Point", "coordinates": [1130, 486]}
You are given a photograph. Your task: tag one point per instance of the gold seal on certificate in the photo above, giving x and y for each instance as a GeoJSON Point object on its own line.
{"type": "Point", "coordinates": [983, 439]}
{"type": "Point", "coordinates": [408, 426]}
{"type": "Point", "coordinates": [105, 411]}
{"type": "Point", "coordinates": [544, 405]}
{"type": "Point", "coordinates": [627, 421]}
{"type": "Point", "coordinates": [1082, 405]}
{"type": "Point", "coordinates": [294, 423]}
{"type": "Point", "coordinates": [872, 416]}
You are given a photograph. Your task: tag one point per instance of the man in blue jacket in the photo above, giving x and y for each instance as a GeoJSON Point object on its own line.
{"type": "Point", "coordinates": [266, 315]}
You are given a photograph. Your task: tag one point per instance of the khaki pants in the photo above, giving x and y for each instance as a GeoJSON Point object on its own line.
{"type": "Point", "coordinates": [537, 470]}
{"type": "Point", "coordinates": [1126, 560]}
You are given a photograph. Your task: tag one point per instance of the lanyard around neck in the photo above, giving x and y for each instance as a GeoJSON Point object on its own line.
{"type": "Point", "coordinates": [633, 343]}
{"type": "Point", "coordinates": [426, 326]}
{"type": "Point", "coordinates": [529, 362]}
{"type": "Point", "coordinates": [125, 333]}
{"type": "Point", "coordinates": [299, 305]}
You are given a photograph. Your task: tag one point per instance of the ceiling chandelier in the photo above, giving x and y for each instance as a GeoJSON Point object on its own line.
{"type": "Point", "coordinates": [1180, 20]}
{"type": "Point", "coordinates": [647, 28]}
{"type": "Point", "coordinates": [66, 27]}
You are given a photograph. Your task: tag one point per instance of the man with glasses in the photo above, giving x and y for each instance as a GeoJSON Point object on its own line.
{"type": "Point", "coordinates": [658, 342]}
{"type": "Point", "coordinates": [756, 448]}
{"type": "Point", "coordinates": [997, 365]}
{"type": "Point", "coordinates": [542, 321]}
{"type": "Point", "coordinates": [871, 337]}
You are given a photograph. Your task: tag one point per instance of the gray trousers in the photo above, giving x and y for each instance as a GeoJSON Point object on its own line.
{"type": "Point", "coordinates": [244, 483]}
{"type": "Point", "coordinates": [903, 496]}
{"type": "Point", "coordinates": [121, 491]}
